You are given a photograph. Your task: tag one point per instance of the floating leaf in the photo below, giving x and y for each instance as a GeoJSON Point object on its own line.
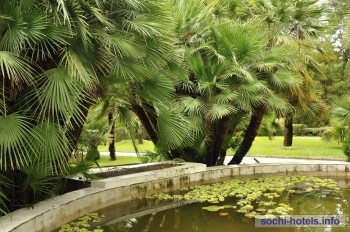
{"type": "Point", "coordinates": [211, 208]}
{"type": "Point", "coordinates": [262, 210]}
{"type": "Point", "coordinates": [259, 216]}
{"type": "Point", "coordinates": [242, 210]}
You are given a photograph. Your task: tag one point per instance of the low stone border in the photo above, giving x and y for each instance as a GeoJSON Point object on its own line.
{"type": "Point", "coordinates": [51, 214]}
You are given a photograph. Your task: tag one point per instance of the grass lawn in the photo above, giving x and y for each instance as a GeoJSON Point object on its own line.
{"type": "Point", "coordinates": [126, 146]}
{"type": "Point", "coordinates": [303, 147]}
{"type": "Point", "coordinates": [121, 160]}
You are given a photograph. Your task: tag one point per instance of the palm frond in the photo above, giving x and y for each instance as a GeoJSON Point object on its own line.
{"type": "Point", "coordinates": [191, 106]}
{"type": "Point", "coordinates": [50, 149]}
{"type": "Point", "coordinates": [249, 95]}
{"type": "Point", "coordinates": [79, 66]}
{"type": "Point", "coordinates": [158, 89]}
{"type": "Point", "coordinates": [218, 111]}
{"type": "Point", "coordinates": [59, 95]}
{"type": "Point", "coordinates": [124, 45]}
{"type": "Point", "coordinates": [15, 141]}
{"type": "Point", "coordinates": [15, 68]}
{"type": "Point", "coordinates": [278, 105]}
{"type": "Point", "coordinates": [284, 80]}
{"type": "Point", "coordinates": [173, 130]}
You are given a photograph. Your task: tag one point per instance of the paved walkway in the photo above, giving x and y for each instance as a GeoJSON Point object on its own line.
{"type": "Point", "coordinates": [251, 160]}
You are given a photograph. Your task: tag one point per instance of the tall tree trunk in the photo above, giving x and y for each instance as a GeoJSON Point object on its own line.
{"type": "Point", "coordinates": [75, 130]}
{"type": "Point", "coordinates": [249, 136]}
{"type": "Point", "coordinates": [111, 146]}
{"type": "Point", "coordinates": [288, 130]}
{"type": "Point", "coordinates": [139, 133]}
{"type": "Point", "coordinates": [235, 120]}
{"type": "Point", "coordinates": [151, 114]}
{"type": "Point", "coordinates": [145, 121]}
{"type": "Point", "coordinates": [217, 139]}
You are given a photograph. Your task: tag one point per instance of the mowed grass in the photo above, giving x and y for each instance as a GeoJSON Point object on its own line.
{"type": "Point", "coordinates": [303, 147]}
{"type": "Point", "coordinates": [126, 146]}
{"type": "Point", "coordinates": [123, 146]}
{"type": "Point", "coordinates": [105, 161]}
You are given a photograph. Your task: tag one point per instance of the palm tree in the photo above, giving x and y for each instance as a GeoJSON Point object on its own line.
{"type": "Point", "coordinates": [53, 55]}
{"type": "Point", "coordinates": [227, 77]}
{"type": "Point", "coordinates": [288, 22]}
{"type": "Point", "coordinates": [304, 20]}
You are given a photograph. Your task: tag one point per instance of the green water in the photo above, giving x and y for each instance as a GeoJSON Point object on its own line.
{"type": "Point", "coordinates": [191, 218]}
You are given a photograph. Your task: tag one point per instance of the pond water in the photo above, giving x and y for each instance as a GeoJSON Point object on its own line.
{"type": "Point", "coordinates": [192, 217]}
{"type": "Point", "coordinates": [158, 215]}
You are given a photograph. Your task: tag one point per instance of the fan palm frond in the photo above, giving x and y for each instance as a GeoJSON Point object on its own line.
{"type": "Point", "coordinates": [15, 68]}
{"type": "Point", "coordinates": [191, 106]}
{"type": "Point", "coordinates": [50, 149]}
{"type": "Point", "coordinates": [218, 111]}
{"type": "Point", "coordinates": [158, 89]}
{"type": "Point", "coordinates": [15, 141]}
{"type": "Point", "coordinates": [173, 129]}
{"type": "Point", "coordinates": [59, 95]}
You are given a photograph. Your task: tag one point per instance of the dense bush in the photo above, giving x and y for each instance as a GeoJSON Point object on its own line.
{"type": "Point", "coordinates": [303, 130]}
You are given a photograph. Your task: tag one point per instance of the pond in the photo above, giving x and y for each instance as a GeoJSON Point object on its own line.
{"type": "Point", "coordinates": [233, 205]}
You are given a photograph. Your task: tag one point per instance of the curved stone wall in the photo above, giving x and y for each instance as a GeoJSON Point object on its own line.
{"type": "Point", "coordinates": [51, 214]}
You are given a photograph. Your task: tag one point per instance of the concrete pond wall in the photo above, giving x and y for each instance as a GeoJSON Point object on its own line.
{"type": "Point", "coordinates": [50, 214]}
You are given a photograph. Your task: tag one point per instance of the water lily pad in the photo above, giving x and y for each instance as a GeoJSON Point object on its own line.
{"type": "Point", "coordinates": [211, 208]}
{"type": "Point", "coordinates": [227, 206]}
{"type": "Point", "coordinates": [271, 216]}
{"type": "Point", "coordinates": [261, 210]}
{"type": "Point", "coordinates": [242, 211]}
{"type": "Point", "coordinates": [259, 216]}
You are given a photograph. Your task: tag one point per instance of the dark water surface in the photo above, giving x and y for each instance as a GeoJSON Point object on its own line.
{"type": "Point", "coordinates": [192, 218]}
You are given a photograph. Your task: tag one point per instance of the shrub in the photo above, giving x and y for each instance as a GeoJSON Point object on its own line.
{"type": "Point", "coordinates": [299, 129]}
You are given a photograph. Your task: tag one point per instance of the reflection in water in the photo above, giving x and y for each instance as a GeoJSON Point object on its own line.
{"type": "Point", "coordinates": [192, 218]}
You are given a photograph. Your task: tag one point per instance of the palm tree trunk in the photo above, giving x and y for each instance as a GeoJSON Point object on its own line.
{"type": "Point", "coordinates": [235, 120]}
{"type": "Point", "coordinates": [75, 130]}
{"type": "Point", "coordinates": [111, 146]}
{"type": "Point", "coordinates": [249, 136]}
{"type": "Point", "coordinates": [215, 149]}
{"type": "Point", "coordinates": [288, 130]}
{"type": "Point", "coordinates": [145, 121]}
{"type": "Point", "coordinates": [151, 114]}
{"type": "Point", "coordinates": [139, 134]}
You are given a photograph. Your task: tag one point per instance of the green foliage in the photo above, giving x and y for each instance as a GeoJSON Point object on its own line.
{"type": "Point", "coordinates": [270, 126]}
{"type": "Point", "coordinates": [40, 184]}
{"type": "Point", "coordinates": [121, 134]}
{"type": "Point", "coordinates": [253, 197]}
{"type": "Point", "coordinates": [83, 224]}
{"type": "Point", "coordinates": [53, 56]}
{"type": "Point", "coordinates": [17, 140]}
{"type": "Point", "coordinates": [81, 168]}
